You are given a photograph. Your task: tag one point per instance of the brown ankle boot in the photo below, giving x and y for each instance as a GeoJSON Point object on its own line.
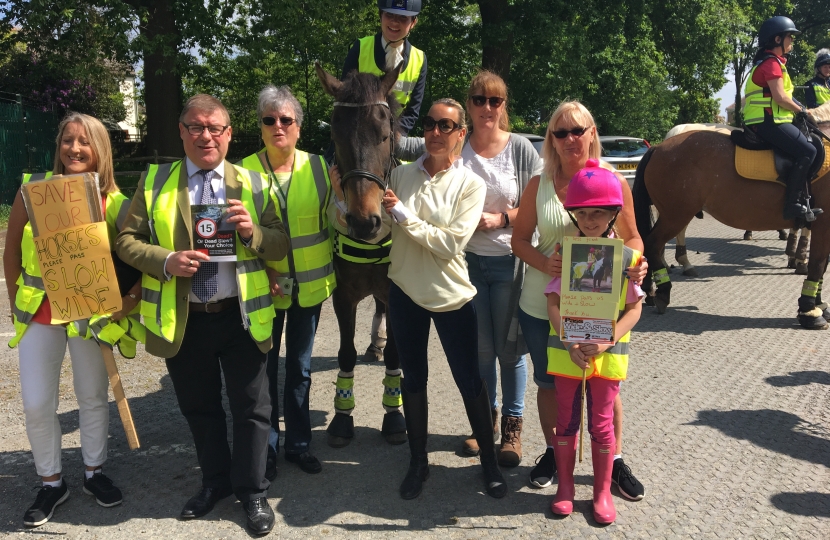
{"type": "Point", "coordinates": [511, 441]}
{"type": "Point", "coordinates": [470, 446]}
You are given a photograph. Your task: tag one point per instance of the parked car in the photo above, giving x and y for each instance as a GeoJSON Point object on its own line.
{"type": "Point", "coordinates": [535, 140]}
{"type": "Point", "coordinates": [624, 153]}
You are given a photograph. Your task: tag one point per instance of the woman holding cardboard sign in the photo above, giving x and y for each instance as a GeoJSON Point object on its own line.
{"type": "Point", "coordinates": [82, 147]}
{"type": "Point", "coordinates": [571, 139]}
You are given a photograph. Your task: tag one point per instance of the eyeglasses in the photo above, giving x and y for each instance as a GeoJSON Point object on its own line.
{"type": "Point", "coordinates": [285, 121]}
{"type": "Point", "coordinates": [445, 125]}
{"type": "Point", "coordinates": [576, 132]}
{"type": "Point", "coordinates": [196, 130]}
{"type": "Point", "coordinates": [479, 101]}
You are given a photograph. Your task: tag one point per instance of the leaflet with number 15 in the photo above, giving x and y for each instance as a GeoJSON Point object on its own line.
{"type": "Point", "coordinates": [591, 287]}
{"type": "Point", "coordinates": [212, 234]}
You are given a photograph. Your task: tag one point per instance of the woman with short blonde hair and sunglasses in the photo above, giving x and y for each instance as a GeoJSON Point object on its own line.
{"type": "Point", "coordinates": [570, 141]}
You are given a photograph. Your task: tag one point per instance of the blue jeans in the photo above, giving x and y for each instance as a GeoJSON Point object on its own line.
{"type": "Point", "coordinates": [299, 341]}
{"type": "Point", "coordinates": [536, 332]}
{"type": "Point", "coordinates": [492, 276]}
{"type": "Point", "coordinates": [457, 332]}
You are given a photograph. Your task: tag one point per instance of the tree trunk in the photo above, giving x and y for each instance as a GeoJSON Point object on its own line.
{"type": "Point", "coordinates": [496, 36]}
{"type": "Point", "coordinates": [162, 80]}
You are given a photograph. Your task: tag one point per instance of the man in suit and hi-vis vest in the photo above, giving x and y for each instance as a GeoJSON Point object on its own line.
{"type": "Point", "coordinates": [210, 319]}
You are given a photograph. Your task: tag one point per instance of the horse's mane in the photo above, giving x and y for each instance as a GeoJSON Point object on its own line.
{"type": "Point", "coordinates": [358, 87]}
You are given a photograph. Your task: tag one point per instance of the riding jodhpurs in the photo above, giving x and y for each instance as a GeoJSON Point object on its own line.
{"type": "Point", "coordinates": [599, 394]}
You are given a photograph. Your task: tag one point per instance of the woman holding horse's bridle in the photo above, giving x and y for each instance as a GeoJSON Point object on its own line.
{"type": "Point", "coordinates": [770, 111]}
{"type": "Point", "coordinates": [571, 139]}
{"type": "Point", "coordinates": [436, 204]}
{"type": "Point", "coordinates": [300, 188]}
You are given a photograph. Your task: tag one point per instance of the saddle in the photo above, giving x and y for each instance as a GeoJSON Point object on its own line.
{"type": "Point", "coordinates": [758, 160]}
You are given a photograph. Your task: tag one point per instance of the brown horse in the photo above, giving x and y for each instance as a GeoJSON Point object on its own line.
{"type": "Point", "coordinates": [696, 171]}
{"type": "Point", "coordinates": [362, 128]}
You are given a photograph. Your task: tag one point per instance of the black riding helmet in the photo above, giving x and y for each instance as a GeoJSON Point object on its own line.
{"type": "Point", "coordinates": [775, 26]}
{"type": "Point", "coordinates": [410, 8]}
{"type": "Point", "coordinates": [822, 58]}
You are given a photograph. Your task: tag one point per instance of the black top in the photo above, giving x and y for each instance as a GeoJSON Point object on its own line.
{"type": "Point", "coordinates": [409, 115]}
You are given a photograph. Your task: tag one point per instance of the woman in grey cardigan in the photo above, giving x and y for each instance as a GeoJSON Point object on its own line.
{"type": "Point", "coordinates": [506, 162]}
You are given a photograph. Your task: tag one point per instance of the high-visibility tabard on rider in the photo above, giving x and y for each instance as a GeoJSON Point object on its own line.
{"type": "Point", "coordinates": [212, 234]}
{"type": "Point", "coordinates": [73, 249]}
{"type": "Point", "coordinates": [591, 281]}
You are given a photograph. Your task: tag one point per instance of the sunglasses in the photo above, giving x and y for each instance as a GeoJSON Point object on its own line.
{"type": "Point", "coordinates": [479, 101]}
{"type": "Point", "coordinates": [270, 120]}
{"type": "Point", "coordinates": [576, 132]}
{"type": "Point", "coordinates": [445, 125]}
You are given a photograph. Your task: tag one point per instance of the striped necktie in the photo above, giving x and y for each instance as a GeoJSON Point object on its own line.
{"type": "Point", "coordinates": [205, 284]}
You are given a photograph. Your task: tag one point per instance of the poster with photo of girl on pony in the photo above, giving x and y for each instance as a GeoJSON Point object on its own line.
{"type": "Point", "coordinates": [591, 286]}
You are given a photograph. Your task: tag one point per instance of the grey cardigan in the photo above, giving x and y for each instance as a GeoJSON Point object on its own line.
{"type": "Point", "coordinates": [525, 160]}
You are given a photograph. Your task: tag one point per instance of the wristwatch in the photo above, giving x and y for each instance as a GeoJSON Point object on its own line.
{"type": "Point", "coordinates": [506, 220]}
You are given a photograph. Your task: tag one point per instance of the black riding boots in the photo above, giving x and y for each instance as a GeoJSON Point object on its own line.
{"type": "Point", "coordinates": [481, 420]}
{"type": "Point", "coordinates": [796, 199]}
{"type": "Point", "coordinates": [416, 413]}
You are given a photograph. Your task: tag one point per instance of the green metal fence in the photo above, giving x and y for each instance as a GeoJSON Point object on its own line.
{"type": "Point", "coordinates": [27, 144]}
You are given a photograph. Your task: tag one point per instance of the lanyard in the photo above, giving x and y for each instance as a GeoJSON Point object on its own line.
{"type": "Point", "coordinates": [283, 196]}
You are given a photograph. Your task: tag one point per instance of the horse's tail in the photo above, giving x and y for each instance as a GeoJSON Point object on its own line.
{"type": "Point", "coordinates": [642, 200]}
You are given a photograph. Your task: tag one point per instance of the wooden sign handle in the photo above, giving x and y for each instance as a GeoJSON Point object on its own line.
{"type": "Point", "coordinates": [120, 398]}
{"type": "Point", "coordinates": [582, 414]}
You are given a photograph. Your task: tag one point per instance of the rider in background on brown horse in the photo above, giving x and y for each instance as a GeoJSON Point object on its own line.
{"type": "Point", "coordinates": [818, 88]}
{"type": "Point", "coordinates": [770, 111]}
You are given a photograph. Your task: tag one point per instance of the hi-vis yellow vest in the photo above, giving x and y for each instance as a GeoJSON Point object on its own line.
{"type": "Point", "coordinates": [309, 261]}
{"type": "Point", "coordinates": [158, 300]}
{"type": "Point", "coordinates": [30, 291]}
{"type": "Point", "coordinates": [613, 363]}
{"type": "Point", "coordinates": [756, 102]}
{"type": "Point", "coordinates": [408, 77]}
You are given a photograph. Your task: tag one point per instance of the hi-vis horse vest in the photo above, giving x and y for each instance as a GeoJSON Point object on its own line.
{"type": "Point", "coordinates": [309, 261]}
{"type": "Point", "coordinates": [158, 299]}
{"type": "Point", "coordinates": [613, 363]}
{"type": "Point", "coordinates": [30, 291]}
{"type": "Point", "coordinates": [408, 77]}
{"type": "Point", "coordinates": [756, 102]}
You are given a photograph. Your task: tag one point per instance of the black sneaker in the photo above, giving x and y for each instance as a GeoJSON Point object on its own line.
{"type": "Point", "coordinates": [47, 499]}
{"type": "Point", "coordinates": [545, 470]}
{"type": "Point", "coordinates": [630, 487]}
{"type": "Point", "coordinates": [106, 494]}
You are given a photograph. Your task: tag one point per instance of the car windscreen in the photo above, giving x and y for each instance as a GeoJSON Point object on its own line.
{"type": "Point", "coordinates": [624, 148]}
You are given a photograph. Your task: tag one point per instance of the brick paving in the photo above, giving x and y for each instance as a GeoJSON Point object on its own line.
{"type": "Point", "coordinates": [727, 424]}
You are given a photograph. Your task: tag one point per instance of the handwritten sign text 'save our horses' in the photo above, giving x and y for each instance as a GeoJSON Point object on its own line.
{"type": "Point", "coordinates": [72, 245]}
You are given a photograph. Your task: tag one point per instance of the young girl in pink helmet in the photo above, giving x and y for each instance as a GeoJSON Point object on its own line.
{"type": "Point", "coordinates": [594, 200]}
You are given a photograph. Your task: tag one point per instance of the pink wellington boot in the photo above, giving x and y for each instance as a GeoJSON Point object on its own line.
{"type": "Point", "coordinates": [602, 456]}
{"type": "Point", "coordinates": [564, 451]}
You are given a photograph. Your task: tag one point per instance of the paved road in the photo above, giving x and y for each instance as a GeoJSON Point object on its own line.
{"type": "Point", "coordinates": [727, 425]}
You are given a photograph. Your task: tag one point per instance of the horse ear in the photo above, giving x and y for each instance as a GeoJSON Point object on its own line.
{"type": "Point", "coordinates": [390, 78]}
{"type": "Point", "coordinates": [330, 83]}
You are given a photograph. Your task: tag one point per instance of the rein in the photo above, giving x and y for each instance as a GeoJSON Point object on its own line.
{"type": "Point", "coordinates": [369, 175]}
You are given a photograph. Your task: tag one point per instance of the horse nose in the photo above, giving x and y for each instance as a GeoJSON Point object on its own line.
{"type": "Point", "coordinates": [376, 222]}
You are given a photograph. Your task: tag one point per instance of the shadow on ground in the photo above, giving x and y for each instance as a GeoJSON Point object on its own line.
{"type": "Point", "coordinates": [799, 378]}
{"type": "Point", "coordinates": [803, 504]}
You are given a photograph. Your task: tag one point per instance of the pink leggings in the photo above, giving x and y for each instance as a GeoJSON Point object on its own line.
{"type": "Point", "coordinates": [600, 396]}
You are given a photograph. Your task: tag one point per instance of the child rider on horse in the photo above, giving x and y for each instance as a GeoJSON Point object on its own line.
{"type": "Point", "coordinates": [594, 201]}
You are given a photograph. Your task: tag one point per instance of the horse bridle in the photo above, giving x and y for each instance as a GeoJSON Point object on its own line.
{"type": "Point", "coordinates": [369, 175]}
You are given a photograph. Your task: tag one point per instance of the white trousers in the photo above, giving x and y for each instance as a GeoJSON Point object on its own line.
{"type": "Point", "coordinates": [41, 354]}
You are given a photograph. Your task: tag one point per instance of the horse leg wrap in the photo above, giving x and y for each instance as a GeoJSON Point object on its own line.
{"type": "Point", "coordinates": [681, 257]}
{"type": "Point", "coordinates": [344, 393]}
{"type": "Point", "coordinates": [392, 399]}
{"type": "Point", "coordinates": [660, 276]}
{"type": "Point", "coordinates": [801, 250]}
{"type": "Point", "coordinates": [807, 301]}
{"type": "Point", "coordinates": [379, 331]}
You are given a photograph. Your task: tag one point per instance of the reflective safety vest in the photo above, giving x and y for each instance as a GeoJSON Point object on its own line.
{"type": "Point", "coordinates": [613, 363]}
{"type": "Point", "coordinates": [309, 261]}
{"type": "Point", "coordinates": [158, 299]}
{"type": "Point", "coordinates": [355, 251]}
{"type": "Point", "coordinates": [30, 290]}
{"type": "Point", "coordinates": [756, 102]}
{"type": "Point", "coordinates": [406, 80]}
{"type": "Point", "coordinates": [821, 90]}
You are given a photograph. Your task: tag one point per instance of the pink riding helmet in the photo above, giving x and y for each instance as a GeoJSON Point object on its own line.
{"type": "Point", "coordinates": [594, 187]}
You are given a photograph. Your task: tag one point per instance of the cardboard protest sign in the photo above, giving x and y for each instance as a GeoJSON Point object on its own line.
{"type": "Point", "coordinates": [73, 248]}
{"type": "Point", "coordinates": [591, 287]}
{"type": "Point", "coordinates": [212, 234]}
